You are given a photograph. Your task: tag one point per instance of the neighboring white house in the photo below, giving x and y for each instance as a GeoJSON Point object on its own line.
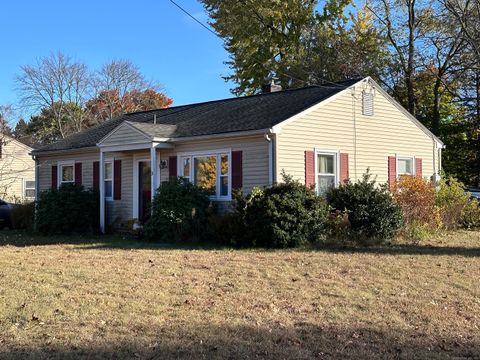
{"type": "Point", "coordinates": [17, 171]}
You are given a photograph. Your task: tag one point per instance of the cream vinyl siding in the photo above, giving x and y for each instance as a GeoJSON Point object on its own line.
{"type": "Point", "coordinates": [16, 166]}
{"type": "Point", "coordinates": [331, 127]}
{"type": "Point", "coordinates": [124, 134]}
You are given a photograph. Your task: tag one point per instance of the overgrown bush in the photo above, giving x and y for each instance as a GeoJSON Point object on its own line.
{"type": "Point", "coordinates": [372, 213]}
{"type": "Point", "coordinates": [22, 216]}
{"type": "Point", "coordinates": [416, 197]}
{"type": "Point", "coordinates": [471, 215]}
{"type": "Point", "coordinates": [68, 209]}
{"type": "Point", "coordinates": [179, 212]}
{"type": "Point", "coordinates": [451, 200]}
{"type": "Point", "coordinates": [284, 215]}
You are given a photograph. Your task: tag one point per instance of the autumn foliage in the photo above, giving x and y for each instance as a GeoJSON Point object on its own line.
{"type": "Point", "coordinates": [416, 197]}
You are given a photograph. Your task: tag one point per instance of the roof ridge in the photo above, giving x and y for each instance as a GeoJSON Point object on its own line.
{"type": "Point", "coordinates": [330, 86]}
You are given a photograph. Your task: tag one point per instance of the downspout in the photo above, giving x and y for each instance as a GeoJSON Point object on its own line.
{"type": "Point", "coordinates": [37, 190]}
{"type": "Point", "coordinates": [271, 163]}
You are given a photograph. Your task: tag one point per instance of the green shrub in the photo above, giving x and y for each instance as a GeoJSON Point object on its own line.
{"type": "Point", "coordinates": [225, 229]}
{"type": "Point", "coordinates": [416, 232]}
{"type": "Point", "coordinates": [451, 200]}
{"type": "Point", "coordinates": [22, 216]}
{"type": "Point", "coordinates": [372, 213]}
{"type": "Point", "coordinates": [283, 215]}
{"type": "Point", "coordinates": [68, 209]}
{"type": "Point", "coordinates": [179, 212]}
{"type": "Point", "coordinates": [471, 214]}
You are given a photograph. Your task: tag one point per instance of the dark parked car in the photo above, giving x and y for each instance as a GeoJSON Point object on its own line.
{"type": "Point", "coordinates": [5, 214]}
{"type": "Point", "coordinates": [473, 192]}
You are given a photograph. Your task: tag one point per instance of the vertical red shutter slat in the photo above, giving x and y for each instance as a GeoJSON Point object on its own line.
{"type": "Point", "coordinates": [78, 173]}
{"type": "Point", "coordinates": [309, 168]}
{"type": "Point", "coordinates": [117, 179]}
{"type": "Point", "coordinates": [237, 169]}
{"type": "Point", "coordinates": [392, 171]}
{"type": "Point", "coordinates": [96, 175]}
{"type": "Point", "coordinates": [172, 166]}
{"type": "Point", "coordinates": [54, 176]}
{"type": "Point", "coordinates": [343, 168]}
{"type": "Point", "coordinates": [418, 167]}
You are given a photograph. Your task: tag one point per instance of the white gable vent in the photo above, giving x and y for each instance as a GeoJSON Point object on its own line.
{"type": "Point", "coordinates": [367, 104]}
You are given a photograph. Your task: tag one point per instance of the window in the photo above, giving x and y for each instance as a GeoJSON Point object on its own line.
{"type": "Point", "coordinates": [326, 168]}
{"type": "Point", "coordinates": [108, 180]}
{"type": "Point", "coordinates": [405, 166]}
{"type": "Point", "coordinates": [209, 170]}
{"type": "Point", "coordinates": [29, 189]}
{"type": "Point", "coordinates": [66, 173]}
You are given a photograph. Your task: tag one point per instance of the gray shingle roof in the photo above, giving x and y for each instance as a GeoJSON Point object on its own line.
{"type": "Point", "coordinates": [246, 113]}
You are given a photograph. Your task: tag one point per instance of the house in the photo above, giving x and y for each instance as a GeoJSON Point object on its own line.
{"type": "Point", "coordinates": [17, 171]}
{"type": "Point", "coordinates": [321, 135]}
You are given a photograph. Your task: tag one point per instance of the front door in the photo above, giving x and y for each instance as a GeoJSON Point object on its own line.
{"type": "Point", "coordinates": [144, 190]}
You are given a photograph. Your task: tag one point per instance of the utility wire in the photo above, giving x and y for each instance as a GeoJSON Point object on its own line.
{"type": "Point", "coordinates": [334, 85]}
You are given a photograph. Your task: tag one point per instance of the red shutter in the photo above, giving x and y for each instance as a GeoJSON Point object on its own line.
{"type": "Point", "coordinates": [54, 177]}
{"type": "Point", "coordinates": [392, 171]}
{"type": "Point", "coordinates": [117, 179]}
{"type": "Point", "coordinates": [309, 168]}
{"type": "Point", "coordinates": [78, 173]}
{"type": "Point", "coordinates": [418, 167]}
{"type": "Point", "coordinates": [237, 169]}
{"type": "Point", "coordinates": [343, 168]}
{"type": "Point", "coordinates": [96, 175]}
{"type": "Point", "coordinates": [172, 166]}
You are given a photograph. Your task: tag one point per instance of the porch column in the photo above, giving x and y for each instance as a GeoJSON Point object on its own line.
{"type": "Point", "coordinates": [102, 191]}
{"type": "Point", "coordinates": [154, 167]}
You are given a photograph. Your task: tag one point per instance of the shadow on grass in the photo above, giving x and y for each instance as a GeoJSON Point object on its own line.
{"type": "Point", "coordinates": [92, 242]}
{"type": "Point", "coordinates": [86, 242]}
{"type": "Point", "coordinates": [301, 341]}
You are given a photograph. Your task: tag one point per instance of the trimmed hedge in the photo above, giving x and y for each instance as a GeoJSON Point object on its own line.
{"type": "Point", "coordinates": [282, 216]}
{"type": "Point", "coordinates": [372, 213]}
{"type": "Point", "coordinates": [68, 209]}
{"type": "Point", "coordinates": [179, 212]}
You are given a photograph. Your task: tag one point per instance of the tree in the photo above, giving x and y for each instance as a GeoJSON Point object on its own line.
{"type": "Point", "coordinates": [44, 128]}
{"type": "Point", "coordinates": [55, 82]}
{"type": "Point", "coordinates": [116, 83]}
{"type": "Point", "coordinates": [20, 132]}
{"type": "Point", "coordinates": [108, 104]}
{"type": "Point", "coordinates": [289, 40]}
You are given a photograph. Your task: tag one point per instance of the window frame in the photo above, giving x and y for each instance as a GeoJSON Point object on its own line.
{"type": "Point", "coordinates": [108, 161]}
{"type": "Point", "coordinates": [218, 154]}
{"type": "Point", "coordinates": [60, 166]}
{"type": "Point", "coordinates": [405, 157]}
{"type": "Point", "coordinates": [336, 165]}
{"type": "Point", "coordinates": [25, 189]}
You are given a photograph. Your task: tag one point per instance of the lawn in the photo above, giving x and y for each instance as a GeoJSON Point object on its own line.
{"type": "Point", "coordinates": [114, 298]}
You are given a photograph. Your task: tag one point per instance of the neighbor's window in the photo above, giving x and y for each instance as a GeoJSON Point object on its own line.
{"type": "Point", "coordinates": [326, 171]}
{"type": "Point", "coordinates": [209, 171]}
{"type": "Point", "coordinates": [66, 173]}
{"type": "Point", "coordinates": [108, 179]}
{"type": "Point", "coordinates": [29, 189]}
{"type": "Point", "coordinates": [405, 166]}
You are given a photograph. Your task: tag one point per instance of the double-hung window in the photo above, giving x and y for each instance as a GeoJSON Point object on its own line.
{"type": "Point", "coordinates": [108, 180]}
{"type": "Point", "coordinates": [326, 170]}
{"type": "Point", "coordinates": [405, 166]}
{"type": "Point", "coordinates": [209, 170]}
{"type": "Point", "coordinates": [29, 189]}
{"type": "Point", "coordinates": [66, 172]}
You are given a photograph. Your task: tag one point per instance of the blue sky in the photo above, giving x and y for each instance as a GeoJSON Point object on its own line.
{"type": "Point", "coordinates": [166, 44]}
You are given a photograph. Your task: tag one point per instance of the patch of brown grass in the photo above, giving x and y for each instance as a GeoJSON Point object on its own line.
{"type": "Point", "coordinates": [119, 300]}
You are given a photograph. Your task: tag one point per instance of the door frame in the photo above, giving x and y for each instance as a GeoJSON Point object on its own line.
{"type": "Point", "coordinates": [136, 199]}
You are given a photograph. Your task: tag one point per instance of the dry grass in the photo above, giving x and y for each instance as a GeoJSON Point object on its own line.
{"type": "Point", "coordinates": [70, 298]}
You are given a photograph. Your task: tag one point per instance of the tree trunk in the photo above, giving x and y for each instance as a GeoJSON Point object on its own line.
{"type": "Point", "coordinates": [411, 57]}
{"type": "Point", "coordinates": [436, 105]}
